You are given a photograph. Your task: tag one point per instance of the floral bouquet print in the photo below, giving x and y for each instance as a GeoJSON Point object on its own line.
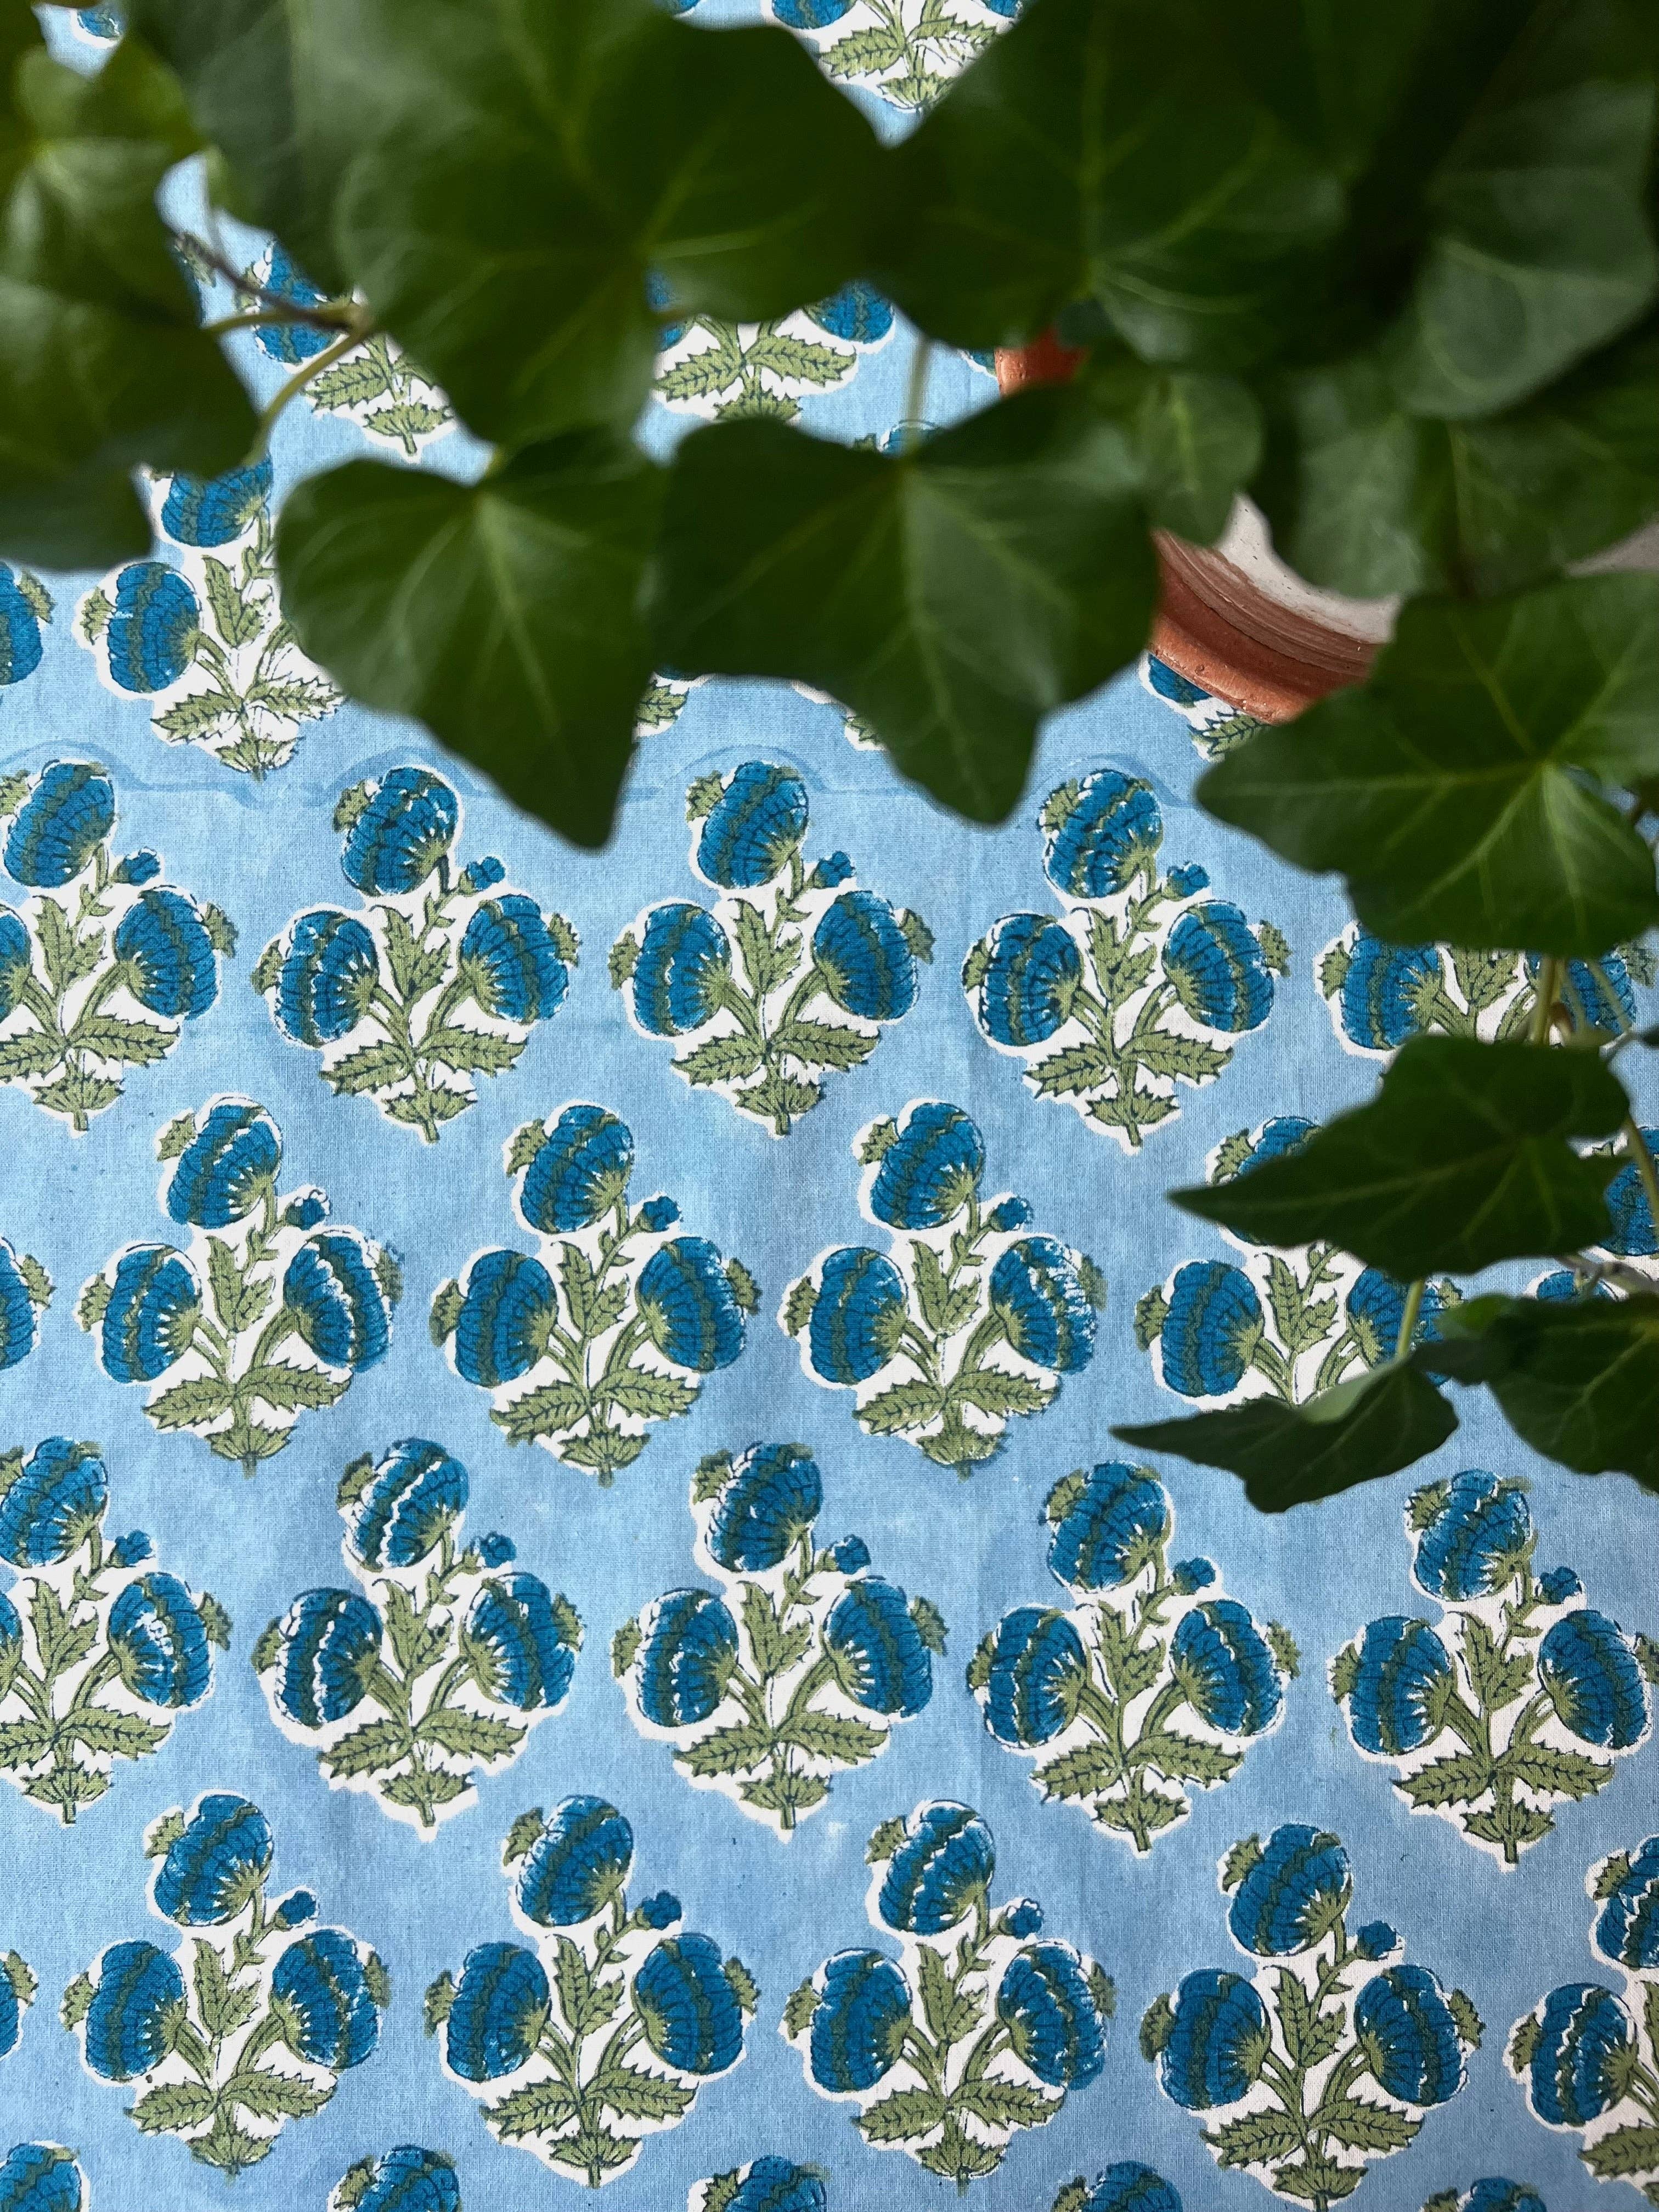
{"type": "Point", "coordinates": [247, 2024]}
{"type": "Point", "coordinates": [1153, 1680]}
{"type": "Point", "coordinates": [605, 2032]}
{"type": "Point", "coordinates": [407, 2179]}
{"type": "Point", "coordinates": [969, 1323]}
{"type": "Point", "coordinates": [37, 2177]}
{"type": "Point", "coordinates": [1498, 1714]}
{"type": "Point", "coordinates": [201, 635]}
{"type": "Point", "coordinates": [441, 981]}
{"type": "Point", "coordinates": [766, 2184]}
{"type": "Point", "coordinates": [1284, 1325]}
{"type": "Point", "coordinates": [25, 1291]}
{"type": "Point", "coordinates": [772, 990]}
{"type": "Point", "coordinates": [457, 1652]}
{"type": "Point", "coordinates": [638, 1317]}
{"type": "Point", "coordinates": [1588, 2056]}
{"type": "Point", "coordinates": [1316, 2078]}
{"type": "Point", "coordinates": [102, 976]}
{"type": "Point", "coordinates": [1380, 994]}
{"type": "Point", "coordinates": [203, 1327]}
{"type": "Point", "coordinates": [983, 2026]}
{"type": "Point", "coordinates": [1138, 984]}
{"type": "Point", "coordinates": [99, 1648]}
{"type": "Point", "coordinates": [800, 1666]}
{"type": "Point", "coordinates": [711, 368]}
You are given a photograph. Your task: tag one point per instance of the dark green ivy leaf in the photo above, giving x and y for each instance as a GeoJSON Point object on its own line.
{"type": "Point", "coordinates": [102, 363]}
{"type": "Point", "coordinates": [524, 169]}
{"type": "Point", "coordinates": [1453, 789]}
{"type": "Point", "coordinates": [1577, 1379]}
{"type": "Point", "coordinates": [1290, 1455]}
{"type": "Point", "coordinates": [505, 614]}
{"type": "Point", "coordinates": [1198, 437]}
{"type": "Point", "coordinates": [951, 595]}
{"type": "Point", "coordinates": [1462, 1160]}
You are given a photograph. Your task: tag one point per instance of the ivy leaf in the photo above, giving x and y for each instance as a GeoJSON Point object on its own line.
{"type": "Point", "coordinates": [503, 614]}
{"type": "Point", "coordinates": [521, 172]}
{"type": "Point", "coordinates": [951, 594]}
{"type": "Point", "coordinates": [1198, 438]}
{"type": "Point", "coordinates": [102, 361]}
{"type": "Point", "coordinates": [1577, 1379]}
{"type": "Point", "coordinates": [1454, 790]}
{"type": "Point", "coordinates": [1291, 1455]}
{"type": "Point", "coordinates": [1462, 1160]}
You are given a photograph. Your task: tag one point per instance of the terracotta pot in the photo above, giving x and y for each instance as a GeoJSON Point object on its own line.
{"type": "Point", "coordinates": [1232, 617]}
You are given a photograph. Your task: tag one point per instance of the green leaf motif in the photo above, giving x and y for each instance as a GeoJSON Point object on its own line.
{"type": "Point", "coordinates": [902, 2116]}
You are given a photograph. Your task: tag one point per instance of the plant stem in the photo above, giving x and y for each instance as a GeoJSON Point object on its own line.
{"type": "Point", "coordinates": [1408, 1319]}
{"type": "Point", "coordinates": [348, 341]}
{"type": "Point", "coordinates": [915, 397]}
{"type": "Point", "coordinates": [1547, 987]}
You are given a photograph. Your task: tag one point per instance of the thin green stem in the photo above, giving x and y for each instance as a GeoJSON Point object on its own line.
{"type": "Point", "coordinates": [915, 397]}
{"type": "Point", "coordinates": [1408, 1319]}
{"type": "Point", "coordinates": [1548, 987]}
{"type": "Point", "coordinates": [348, 341]}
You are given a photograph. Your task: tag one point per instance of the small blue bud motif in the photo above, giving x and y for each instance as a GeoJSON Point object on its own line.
{"type": "Point", "coordinates": [867, 2029]}
{"type": "Point", "coordinates": [574, 2106]}
{"type": "Point", "coordinates": [319, 1996]}
{"type": "Point", "coordinates": [407, 2179]}
{"type": "Point", "coordinates": [496, 1550]}
{"type": "Point", "coordinates": [295, 1908]}
{"type": "Point", "coordinates": [1224, 2037]}
{"type": "Point", "coordinates": [137, 868]}
{"type": "Point", "coordinates": [1190, 1576]}
{"type": "Point", "coordinates": [44, 2177]}
{"type": "Point", "coordinates": [842, 1657]}
{"type": "Point", "coordinates": [1133, 990]}
{"type": "Point", "coordinates": [791, 976]}
{"type": "Point", "coordinates": [131, 1550]}
{"type": "Point", "coordinates": [1009, 1213]}
{"type": "Point", "coordinates": [1557, 1584]}
{"type": "Point", "coordinates": [639, 1320]}
{"type": "Point", "coordinates": [437, 982]}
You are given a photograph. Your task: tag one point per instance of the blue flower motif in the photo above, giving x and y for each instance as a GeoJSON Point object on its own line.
{"type": "Point", "coordinates": [930, 1171]}
{"type": "Point", "coordinates": [212, 1869]}
{"type": "Point", "coordinates": [661, 1911]}
{"type": "Point", "coordinates": [1180, 691]}
{"type": "Point", "coordinates": [1558, 1585]}
{"type": "Point", "coordinates": [864, 957]}
{"type": "Point", "coordinates": [131, 1550]}
{"type": "Point", "coordinates": [498, 1334]}
{"type": "Point", "coordinates": [685, 1297]}
{"type": "Point", "coordinates": [1627, 1927]}
{"type": "Point", "coordinates": [336, 2022]}
{"type": "Point", "coordinates": [1226, 1667]}
{"type": "Point", "coordinates": [518, 971]}
{"type": "Point", "coordinates": [857, 313]}
{"type": "Point", "coordinates": [19, 1321]}
{"type": "Point", "coordinates": [1385, 991]}
{"type": "Point", "coordinates": [945, 1862]}
{"type": "Point", "coordinates": [578, 1172]}
{"type": "Point", "coordinates": [1190, 1576]}
{"type": "Point", "coordinates": [850, 1556]}
{"type": "Point", "coordinates": [1111, 829]}
{"type": "Point", "coordinates": [1030, 978]}
{"type": "Point", "coordinates": [305, 1209]}
{"type": "Point", "coordinates": [1039, 1294]}
{"type": "Point", "coordinates": [691, 2013]}
{"type": "Point", "coordinates": [501, 2005]}
{"type": "Point", "coordinates": [327, 977]}
{"type": "Point", "coordinates": [479, 875]}
{"type": "Point", "coordinates": [1023, 1917]}
{"type": "Point", "coordinates": [515, 1633]}
{"type": "Point", "coordinates": [41, 2177]}
{"type": "Point", "coordinates": [809, 15]}
{"type": "Point", "coordinates": [294, 1910]}
{"type": "Point", "coordinates": [1219, 2041]}
{"type": "Point", "coordinates": [153, 630]}
{"type": "Point", "coordinates": [1588, 1671]}
{"type": "Point", "coordinates": [1375, 1306]}
{"type": "Point", "coordinates": [683, 971]}
{"type": "Point", "coordinates": [406, 827]}
{"type": "Point", "coordinates": [227, 1167]}
{"type": "Point", "coordinates": [686, 1657]}
{"type": "Point", "coordinates": [1376, 1940]}
{"type": "Point", "coordinates": [576, 1865]}
{"type": "Point", "coordinates": [883, 1665]}
{"type": "Point", "coordinates": [1405, 2029]}
{"type": "Point", "coordinates": [658, 1214]}
{"type": "Point", "coordinates": [1008, 1214]}
{"type": "Point", "coordinates": [1476, 1539]}
{"type": "Point", "coordinates": [769, 1499]}
{"type": "Point", "coordinates": [833, 869]}
{"type": "Point", "coordinates": [126, 2023]}
{"type": "Point", "coordinates": [1212, 1327]}
{"type": "Point", "coordinates": [1279, 1138]}
{"type": "Point", "coordinates": [1043, 1999]}
{"type": "Point", "coordinates": [1495, 2195]}
{"type": "Point", "coordinates": [1404, 1672]}
{"type": "Point", "coordinates": [1127, 2186]}
{"type": "Point", "coordinates": [20, 630]}
{"type": "Point", "coordinates": [1632, 1236]}
{"type": "Point", "coordinates": [496, 1550]}
{"type": "Point", "coordinates": [1297, 1889]}
{"type": "Point", "coordinates": [1037, 1667]}
{"type": "Point", "coordinates": [329, 1638]}
{"type": "Point", "coordinates": [416, 1491]}
{"type": "Point", "coordinates": [1586, 2041]}
{"type": "Point", "coordinates": [154, 1627]}
{"type": "Point", "coordinates": [859, 1310]}
{"type": "Point", "coordinates": [1109, 1532]}
{"type": "Point", "coordinates": [137, 868]}
{"type": "Point", "coordinates": [331, 1288]}
{"type": "Point", "coordinates": [859, 2025]}
{"type": "Point", "coordinates": [212, 510]}
{"type": "Point", "coordinates": [1218, 968]}
{"type": "Point", "coordinates": [292, 344]}
{"type": "Point", "coordinates": [754, 826]}
{"type": "Point", "coordinates": [1186, 882]}
{"type": "Point", "coordinates": [151, 1315]}
{"type": "Point", "coordinates": [169, 955]}
{"type": "Point", "coordinates": [59, 826]}
{"type": "Point", "coordinates": [411, 2179]}
{"type": "Point", "coordinates": [1602, 1011]}
{"type": "Point", "coordinates": [53, 1504]}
